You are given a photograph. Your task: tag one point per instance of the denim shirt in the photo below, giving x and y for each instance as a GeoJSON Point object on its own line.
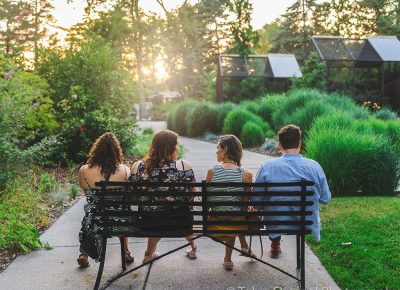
{"type": "Point", "coordinates": [290, 168]}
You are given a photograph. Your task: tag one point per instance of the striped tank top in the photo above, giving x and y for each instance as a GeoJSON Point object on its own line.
{"type": "Point", "coordinates": [222, 174]}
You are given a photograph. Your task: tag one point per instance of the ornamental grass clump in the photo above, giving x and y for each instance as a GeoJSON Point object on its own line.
{"type": "Point", "coordinates": [182, 115]}
{"type": "Point", "coordinates": [386, 114]}
{"type": "Point", "coordinates": [354, 162]}
{"type": "Point", "coordinates": [268, 105]}
{"type": "Point", "coordinates": [222, 111]}
{"type": "Point", "coordinates": [295, 100]}
{"type": "Point", "coordinates": [237, 118]}
{"type": "Point", "coordinates": [305, 116]}
{"type": "Point", "coordinates": [202, 119]}
{"type": "Point", "coordinates": [252, 135]}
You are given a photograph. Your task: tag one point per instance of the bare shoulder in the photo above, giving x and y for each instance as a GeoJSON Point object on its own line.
{"type": "Point", "coordinates": [210, 174]}
{"type": "Point", "coordinates": [247, 176]}
{"type": "Point", "coordinates": [134, 167]}
{"type": "Point", "coordinates": [124, 169]}
{"type": "Point", "coordinates": [186, 165]}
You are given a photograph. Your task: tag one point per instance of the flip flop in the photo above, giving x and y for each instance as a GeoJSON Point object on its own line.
{"type": "Point", "coordinates": [228, 265]}
{"type": "Point", "coordinates": [128, 257]}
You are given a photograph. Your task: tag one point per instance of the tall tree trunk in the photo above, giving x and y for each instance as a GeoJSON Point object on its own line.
{"type": "Point", "coordinates": [138, 43]}
{"type": "Point", "coordinates": [36, 33]}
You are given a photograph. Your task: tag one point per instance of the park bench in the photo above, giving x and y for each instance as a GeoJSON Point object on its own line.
{"type": "Point", "coordinates": [116, 214]}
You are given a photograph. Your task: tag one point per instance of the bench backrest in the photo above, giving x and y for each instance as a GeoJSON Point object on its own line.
{"type": "Point", "coordinates": [122, 208]}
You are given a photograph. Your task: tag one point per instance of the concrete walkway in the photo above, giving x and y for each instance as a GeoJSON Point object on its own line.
{"type": "Point", "coordinates": [57, 268]}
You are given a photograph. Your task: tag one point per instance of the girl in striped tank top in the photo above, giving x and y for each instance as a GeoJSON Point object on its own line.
{"type": "Point", "coordinates": [229, 153]}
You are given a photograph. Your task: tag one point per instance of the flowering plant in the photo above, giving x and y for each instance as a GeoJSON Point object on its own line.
{"type": "Point", "coordinates": [371, 106]}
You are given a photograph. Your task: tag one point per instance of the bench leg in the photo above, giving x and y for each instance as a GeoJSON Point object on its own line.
{"type": "Point", "coordinates": [101, 267]}
{"type": "Point", "coordinates": [121, 240]}
{"type": "Point", "coordinates": [298, 252]}
{"type": "Point", "coordinates": [303, 264]}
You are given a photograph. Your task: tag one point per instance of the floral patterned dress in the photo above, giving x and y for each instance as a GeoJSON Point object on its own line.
{"type": "Point", "coordinates": [180, 214]}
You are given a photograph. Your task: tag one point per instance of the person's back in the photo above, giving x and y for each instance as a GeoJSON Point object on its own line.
{"type": "Point", "coordinates": [223, 174]}
{"type": "Point", "coordinates": [104, 163]}
{"type": "Point", "coordinates": [291, 167]}
{"type": "Point", "coordinates": [88, 175]}
{"type": "Point", "coordinates": [229, 154]}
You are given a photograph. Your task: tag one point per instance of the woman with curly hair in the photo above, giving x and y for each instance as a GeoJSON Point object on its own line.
{"type": "Point", "coordinates": [161, 164]}
{"type": "Point", "coordinates": [104, 164]}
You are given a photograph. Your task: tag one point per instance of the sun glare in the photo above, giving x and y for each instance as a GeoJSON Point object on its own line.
{"type": "Point", "coordinates": [161, 73]}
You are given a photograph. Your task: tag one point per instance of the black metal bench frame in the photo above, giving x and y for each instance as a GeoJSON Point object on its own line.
{"type": "Point", "coordinates": [110, 200]}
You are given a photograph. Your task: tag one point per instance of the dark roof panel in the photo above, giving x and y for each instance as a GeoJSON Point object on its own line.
{"type": "Point", "coordinates": [374, 50]}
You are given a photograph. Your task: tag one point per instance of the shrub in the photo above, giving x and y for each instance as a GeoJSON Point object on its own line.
{"type": "Point", "coordinates": [148, 131]}
{"type": "Point", "coordinates": [336, 120]}
{"type": "Point", "coordinates": [182, 116]}
{"type": "Point", "coordinates": [171, 115]}
{"type": "Point", "coordinates": [252, 135]}
{"type": "Point", "coordinates": [354, 161]}
{"type": "Point", "coordinates": [305, 116]}
{"type": "Point", "coordinates": [142, 145]}
{"type": "Point", "coordinates": [314, 74]}
{"type": "Point", "coordinates": [202, 119]}
{"type": "Point", "coordinates": [23, 209]}
{"type": "Point", "coordinates": [222, 111]}
{"type": "Point", "coordinates": [210, 137]}
{"type": "Point", "coordinates": [270, 144]}
{"type": "Point", "coordinates": [236, 119]}
{"type": "Point", "coordinates": [250, 106]}
{"type": "Point", "coordinates": [386, 114]}
{"type": "Point", "coordinates": [268, 105]}
{"type": "Point", "coordinates": [293, 102]}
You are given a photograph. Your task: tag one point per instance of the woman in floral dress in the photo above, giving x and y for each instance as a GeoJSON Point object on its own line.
{"type": "Point", "coordinates": [161, 164]}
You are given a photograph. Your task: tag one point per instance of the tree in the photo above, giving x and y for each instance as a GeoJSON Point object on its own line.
{"type": "Point", "coordinates": [244, 39]}
{"type": "Point", "coordinates": [25, 24]}
{"type": "Point", "coordinates": [191, 41]}
{"type": "Point", "coordinates": [15, 19]}
{"type": "Point", "coordinates": [265, 35]}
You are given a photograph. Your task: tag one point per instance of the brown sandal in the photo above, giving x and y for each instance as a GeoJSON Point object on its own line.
{"type": "Point", "coordinates": [128, 257]}
{"type": "Point", "coordinates": [83, 261]}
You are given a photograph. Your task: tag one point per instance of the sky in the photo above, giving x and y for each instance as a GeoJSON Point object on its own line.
{"type": "Point", "coordinates": [264, 11]}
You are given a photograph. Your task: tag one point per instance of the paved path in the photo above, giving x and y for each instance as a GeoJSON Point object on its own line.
{"type": "Point", "coordinates": [57, 268]}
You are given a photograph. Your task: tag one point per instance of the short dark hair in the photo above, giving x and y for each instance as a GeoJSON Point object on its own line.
{"type": "Point", "coordinates": [233, 146]}
{"type": "Point", "coordinates": [290, 136]}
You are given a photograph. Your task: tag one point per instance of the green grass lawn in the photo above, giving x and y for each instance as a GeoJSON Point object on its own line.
{"type": "Point", "coordinates": [372, 226]}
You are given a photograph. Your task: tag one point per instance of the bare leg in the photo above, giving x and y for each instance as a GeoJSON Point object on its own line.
{"type": "Point", "coordinates": [228, 250]}
{"type": "Point", "coordinates": [189, 239]}
{"type": "Point", "coordinates": [243, 242]}
{"type": "Point", "coordinates": [151, 245]}
{"type": "Point", "coordinates": [126, 244]}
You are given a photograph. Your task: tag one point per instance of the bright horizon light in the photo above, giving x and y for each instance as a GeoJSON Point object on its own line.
{"type": "Point", "coordinates": [264, 11]}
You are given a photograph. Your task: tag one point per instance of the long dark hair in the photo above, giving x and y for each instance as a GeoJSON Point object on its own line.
{"type": "Point", "coordinates": [161, 149]}
{"type": "Point", "coordinates": [233, 146]}
{"type": "Point", "coordinates": [106, 153]}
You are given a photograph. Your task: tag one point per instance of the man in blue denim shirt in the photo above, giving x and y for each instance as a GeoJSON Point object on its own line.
{"type": "Point", "coordinates": [292, 166]}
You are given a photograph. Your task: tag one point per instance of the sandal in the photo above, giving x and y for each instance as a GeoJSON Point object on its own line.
{"type": "Point", "coordinates": [128, 257]}
{"type": "Point", "coordinates": [190, 253]}
{"type": "Point", "coordinates": [228, 265]}
{"type": "Point", "coordinates": [83, 261]}
{"type": "Point", "coordinates": [248, 252]}
{"type": "Point", "coordinates": [149, 258]}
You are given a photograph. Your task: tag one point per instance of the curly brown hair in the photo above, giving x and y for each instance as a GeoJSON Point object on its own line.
{"type": "Point", "coordinates": [233, 146]}
{"type": "Point", "coordinates": [106, 153]}
{"type": "Point", "coordinates": [161, 149]}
